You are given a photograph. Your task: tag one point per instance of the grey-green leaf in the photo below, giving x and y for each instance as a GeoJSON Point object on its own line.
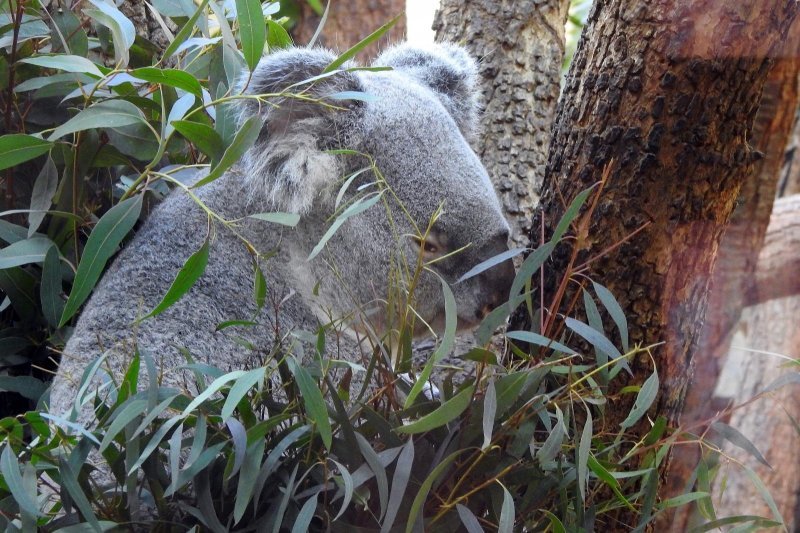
{"type": "Point", "coordinates": [18, 148]}
{"type": "Point", "coordinates": [188, 275]}
{"type": "Point", "coordinates": [252, 30]}
{"type": "Point", "coordinates": [582, 459]}
{"type": "Point", "coordinates": [102, 243]}
{"type": "Point", "coordinates": [312, 399]}
{"type": "Point", "coordinates": [441, 416]}
{"type": "Point", "coordinates": [23, 252]}
{"type": "Point", "coordinates": [644, 399]}
{"type": "Point", "coordinates": [105, 114]}
{"type": "Point", "coordinates": [735, 437]}
{"type": "Point", "coordinates": [357, 207]}
{"type": "Point", "coordinates": [50, 289]}
{"type": "Point", "coordinates": [42, 195]}
{"type": "Point", "coordinates": [244, 139]}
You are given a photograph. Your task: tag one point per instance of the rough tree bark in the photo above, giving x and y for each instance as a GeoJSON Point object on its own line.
{"type": "Point", "coordinates": [733, 278]}
{"type": "Point", "coordinates": [666, 93]}
{"type": "Point", "coordinates": [520, 46]}
{"type": "Point", "coordinates": [350, 21]}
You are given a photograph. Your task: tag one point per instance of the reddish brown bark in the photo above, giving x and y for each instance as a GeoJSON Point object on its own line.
{"type": "Point", "coordinates": [733, 281]}
{"type": "Point", "coordinates": [666, 92]}
{"type": "Point", "coordinates": [349, 22]}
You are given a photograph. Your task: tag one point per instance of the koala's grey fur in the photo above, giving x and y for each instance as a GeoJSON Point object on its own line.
{"type": "Point", "coordinates": [415, 126]}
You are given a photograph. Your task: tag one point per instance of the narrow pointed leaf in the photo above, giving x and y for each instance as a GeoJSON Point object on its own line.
{"type": "Point", "coordinates": [42, 195]}
{"type": "Point", "coordinates": [644, 399]}
{"type": "Point", "coordinates": [18, 148]}
{"type": "Point", "coordinates": [316, 407]}
{"type": "Point", "coordinates": [102, 243]}
{"type": "Point", "coordinates": [105, 114]}
{"type": "Point", "coordinates": [448, 411]}
{"type": "Point", "coordinates": [350, 53]}
{"type": "Point", "coordinates": [252, 30]}
{"type": "Point", "coordinates": [735, 437]}
{"type": "Point", "coordinates": [244, 139]}
{"type": "Point", "coordinates": [188, 275]}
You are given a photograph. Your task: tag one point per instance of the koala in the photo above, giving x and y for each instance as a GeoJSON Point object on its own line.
{"type": "Point", "coordinates": [415, 121]}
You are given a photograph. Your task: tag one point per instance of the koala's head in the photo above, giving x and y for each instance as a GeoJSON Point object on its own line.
{"type": "Point", "coordinates": [415, 122]}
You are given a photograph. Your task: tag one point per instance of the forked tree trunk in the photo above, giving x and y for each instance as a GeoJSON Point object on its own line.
{"type": "Point", "coordinates": [520, 47]}
{"type": "Point", "coordinates": [665, 92]}
{"type": "Point", "coordinates": [349, 22]}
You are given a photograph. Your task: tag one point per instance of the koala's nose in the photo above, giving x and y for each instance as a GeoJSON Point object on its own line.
{"type": "Point", "coordinates": [497, 282]}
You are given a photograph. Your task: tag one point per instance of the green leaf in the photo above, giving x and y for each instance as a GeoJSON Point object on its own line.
{"type": "Point", "coordinates": [489, 412]}
{"type": "Point", "coordinates": [244, 139]}
{"type": "Point", "coordinates": [70, 482]}
{"type": "Point", "coordinates": [312, 399]}
{"type": "Point", "coordinates": [606, 477]}
{"type": "Point", "coordinates": [125, 416]}
{"type": "Point", "coordinates": [469, 520]}
{"type": "Point", "coordinates": [402, 472]}
{"type": "Point", "coordinates": [170, 76]}
{"type": "Point", "coordinates": [27, 386]}
{"type": "Point", "coordinates": [67, 63]}
{"type": "Point", "coordinates": [442, 415]}
{"type": "Point", "coordinates": [424, 489]}
{"type": "Point", "coordinates": [240, 389]}
{"type": "Point", "coordinates": [596, 339]}
{"type": "Point", "coordinates": [551, 447]}
{"type": "Point", "coordinates": [42, 195]}
{"type": "Point", "coordinates": [506, 523]}
{"type": "Point", "coordinates": [378, 469]}
{"type": "Point", "coordinates": [644, 399]}
{"type": "Point", "coordinates": [615, 310]}
{"type": "Point", "coordinates": [50, 289]}
{"type": "Point", "coordinates": [555, 522]}
{"type": "Point", "coordinates": [204, 137]}
{"type": "Point", "coordinates": [570, 214]}
{"type": "Point", "coordinates": [31, 250]}
{"type": "Point", "coordinates": [105, 114]}
{"type": "Point", "coordinates": [278, 37]}
{"type": "Point", "coordinates": [445, 346]}
{"type": "Point", "coordinates": [247, 478]}
{"type": "Point", "coordinates": [18, 148]}
{"type": "Point", "coordinates": [9, 467]}
{"type": "Point", "coordinates": [489, 263]}
{"type": "Point", "coordinates": [123, 32]}
{"type": "Point", "coordinates": [683, 499]}
{"type": "Point", "coordinates": [252, 30]}
{"type": "Point", "coordinates": [67, 27]}
{"type": "Point", "coordinates": [735, 437]}
{"type": "Point", "coordinates": [306, 514]}
{"type": "Point", "coordinates": [187, 30]}
{"type": "Point", "coordinates": [530, 266]}
{"type": "Point", "coordinates": [102, 243]}
{"type": "Point", "coordinates": [284, 219]}
{"type": "Point", "coordinates": [188, 275]}
{"type": "Point", "coordinates": [352, 51]}
{"type": "Point", "coordinates": [760, 521]}
{"type": "Point", "coordinates": [582, 459]}
{"type": "Point", "coordinates": [232, 323]}
{"type": "Point", "coordinates": [355, 208]}
{"type": "Point", "coordinates": [539, 340]}
{"type": "Point", "coordinates": [259, 285]}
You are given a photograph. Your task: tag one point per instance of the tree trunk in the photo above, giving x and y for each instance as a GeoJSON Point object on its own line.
{"type": "Point", "coordinates": [664, 94]}
{"type": "Point", "coordinates": [521, 49]}
{"type": "Point", "coordinates": [733, 279]}
{"type": "Point", "coordinates": [349, 22]}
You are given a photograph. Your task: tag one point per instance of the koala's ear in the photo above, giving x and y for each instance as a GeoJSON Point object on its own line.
{"type": "Point", "coordinates": [449, 71]}
{"type": "Point", "coordinates": [288, 165]}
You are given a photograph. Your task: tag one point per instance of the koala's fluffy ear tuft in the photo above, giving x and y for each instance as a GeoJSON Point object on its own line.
{"type": "Point", "coordinates": [449, 71]}
{"type": "Point", "coordinates": [288, 165]}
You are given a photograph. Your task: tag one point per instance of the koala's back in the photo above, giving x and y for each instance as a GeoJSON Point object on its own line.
{"type": "Point", "coordinates": [143, 272]}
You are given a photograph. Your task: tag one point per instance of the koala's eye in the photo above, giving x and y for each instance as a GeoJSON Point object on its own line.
{"type": "Point", "coordinates": [431, 245]}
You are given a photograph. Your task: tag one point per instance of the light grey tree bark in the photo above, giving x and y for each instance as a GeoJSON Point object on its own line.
{"type": "Point", "coordinates": [520, 46]}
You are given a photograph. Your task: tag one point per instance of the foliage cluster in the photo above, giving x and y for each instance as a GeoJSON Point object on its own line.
{"type": "Point", "coordinates": [98, 120]}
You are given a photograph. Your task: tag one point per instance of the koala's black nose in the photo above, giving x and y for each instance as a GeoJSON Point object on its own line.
{"type": "Point", "coordinates": [497, 282]}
